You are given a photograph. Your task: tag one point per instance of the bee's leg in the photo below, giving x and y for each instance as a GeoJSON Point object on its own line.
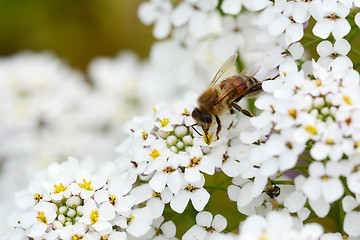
{"type": "Point", "coordinates": [218, 126]}
{"type": "Point", "coordinates": [232, 111]}
{"type": "Point", "coordinates": [242, 110]}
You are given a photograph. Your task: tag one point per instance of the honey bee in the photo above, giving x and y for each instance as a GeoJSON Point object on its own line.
{"type": "Point", "coordinates": [225, 90]}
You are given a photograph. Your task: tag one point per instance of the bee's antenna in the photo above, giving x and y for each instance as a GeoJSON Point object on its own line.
{"type": "Point", "coordinates": [273, 78]}
{"type": "Point", "coordinates": [192, 126]}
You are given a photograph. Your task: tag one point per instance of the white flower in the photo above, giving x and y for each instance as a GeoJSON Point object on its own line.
{"type": "Point", "coordinates": [207, 227]}
{"type": "Point", "coordinates": [157, 12]}
{"type": "Point", "coordinates": [155, 200]}
{"type": "Point", "coordinates": [277, 225]}
{"type": "Point", "coordinates": [328, 52]}
{"type": "Point", "coordinates": [98, 217]}
{"type": "Point", "coordinates": [194, 191]}
{"type": "Point", "coordinates": [196, 163]}
{"type": "Point", "coordinates": [137, 222]}
{"type": "Point", "coordinates": [351, 221]}
{"type": "Point", "coordinates": [323, 181]}
{"type": "Point", "coordinates": [162, 230]}
{"type": "Point", "coordinates": [333, 21]}
{"type": "Point", "coordinates": [194, 13]}
{"type": "Point", "coordinates": [278, 23]}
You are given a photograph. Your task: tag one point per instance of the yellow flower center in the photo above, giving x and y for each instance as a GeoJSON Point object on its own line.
{"type": "Point", "coordinates": [112, 199]}
{"type": "Point", "coordinates": [37, 197]}
{"type": "Point", "coordinates": [130, 219]}
{"type": "Point", "coordinates": [292, 113]}
{"type": "Point", "coordinates": [347, 100]}
{"type": "Point", "coordinates": [94, 216]}
{"type": "Point", "coordinates": [263, 237]}
{"type": "Point", "coordinates": [85, 185]}
{"type": "Point", "coordinates": [329, 141]}
{"type": "Point", "coordinates": [154, 154]}
{"type": "Point", "coordinates": [76, 237]}
{"type": "Point", "coordinates": [194, 162]}
{"type": "Point", "coordinates": [208, 138]}
{"type": "Point", "coordinates": [164, 122]}
{"type": "Point", "coordinates": [60, 188]}
{"type": "Point", "coordinates": [311, 129]}
{"type": "Point", "coordinates": [41, 217]}
{"type": "Point", "coordinates": [145, 135]}
{"type": "Point", "coordinates": [186, 112]}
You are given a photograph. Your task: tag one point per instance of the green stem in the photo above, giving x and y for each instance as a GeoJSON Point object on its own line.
{"type": "Point", "coordinates": [306, 159]}
{"type": "Point", "coordinates": [354, 50]}
{"type": "Point", "coordinates": [302, 168]}
{"type": "Point", "coordinates": [313, 42]}
{"type": "Point", "coordinates": [354, 31]}
{"type": "Point", "coordinates": [356, 64]}
{"type": "Point", "coordinates": [310, 37]}
{"type": "Point", "coordinates": [341, 218]}
{"type": "Point", "coordinates": [215, 187]}
{"type": "Point", "coordinates": [282, 182]}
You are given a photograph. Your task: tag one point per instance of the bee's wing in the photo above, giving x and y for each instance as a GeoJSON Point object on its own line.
{"type": "Point", "coordinates": [229, 89]}
{"type": "Point", "coordinates": [227, 69]}
{"type": "Point", "coordinates": [251, 71]}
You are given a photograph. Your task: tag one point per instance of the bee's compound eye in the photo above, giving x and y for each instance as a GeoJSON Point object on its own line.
{"type": "Point", "coordinates": [196, 113]}
{"type": "Point", "coordinates": [206, 118]}
{"type": "Point", "coordinates": [201, 116]}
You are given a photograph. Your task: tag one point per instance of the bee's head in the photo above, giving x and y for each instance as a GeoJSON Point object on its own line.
{"type": "Point", "coordinates": [203, 119]}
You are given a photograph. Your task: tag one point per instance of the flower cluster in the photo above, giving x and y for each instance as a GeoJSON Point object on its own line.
{"type": "Point", "coordinates": [293, 163]}
{"type": "Point", "coordinates": [73, 201]}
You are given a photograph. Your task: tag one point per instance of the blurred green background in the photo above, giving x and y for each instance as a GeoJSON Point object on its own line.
{"type": "Point", "coordinates": [76, 31]}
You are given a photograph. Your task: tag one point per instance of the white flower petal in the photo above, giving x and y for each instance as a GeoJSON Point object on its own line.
{"type": "Point", "coordinates": [204, 219]}
{"type": "Point", "coordinates": [37, 229]}
{"type": "Point", "coordinates": [156, 206]}
{"type": "Point", "coordinates": [192, 174]}
{"type": "Point", "coordinates": [180, 201]}
{"type": "Point", "coordinates": [357, 19]}
{"type": "Point", "coordinates": [158, 181]}
{"type": "Point", "coordinates": [162, 27]}
{"type": "Point", "coordinates": [332, 189]}
{"type": "Point", "coordinates": [324, 48]}
{"type": "Point", "coordinates": [195, 233]}
{"type": "Point", "coordinates": [278, 25]}
{"type": "Point", "coordinates": [174, 181]}
{"type": "Point", "coordinates": [295, 201]}
{"type": "Point", "coordinates": [341, 28]}
{"type": "Point", "coordinates": [323, 28]}
{"type": "Point", "coordinates": [181, 14]}
{"type": "Point", "coordinates": [300, 14]}
{"type": "Point", "coordinates": [294, 33]}
{"type": "Point", "coordinates": [219, 223]}
{"type": "Point", "coordinates": [197, 22]}
{"type": "Point", "coordinates": [312, 188]}
{"type": "Point", "coordinates": [351, 224]}
{"type": "Point", "coordinates": [142, 193]}
{"type": "Point", "coordinates": [348, 203]}
{"type": "Point", "coordinates": [231, 6]}
{"type": "Point", "coordinates": [320, 207]}
{"type": "Point", "coordinates": [147, 13]}
{"type": "Point", "coordinates": [342, 46]}
{"type": "Point", "coordinates": [168, 229]}
{"type": "Point", "coordinates": [199, 199]}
